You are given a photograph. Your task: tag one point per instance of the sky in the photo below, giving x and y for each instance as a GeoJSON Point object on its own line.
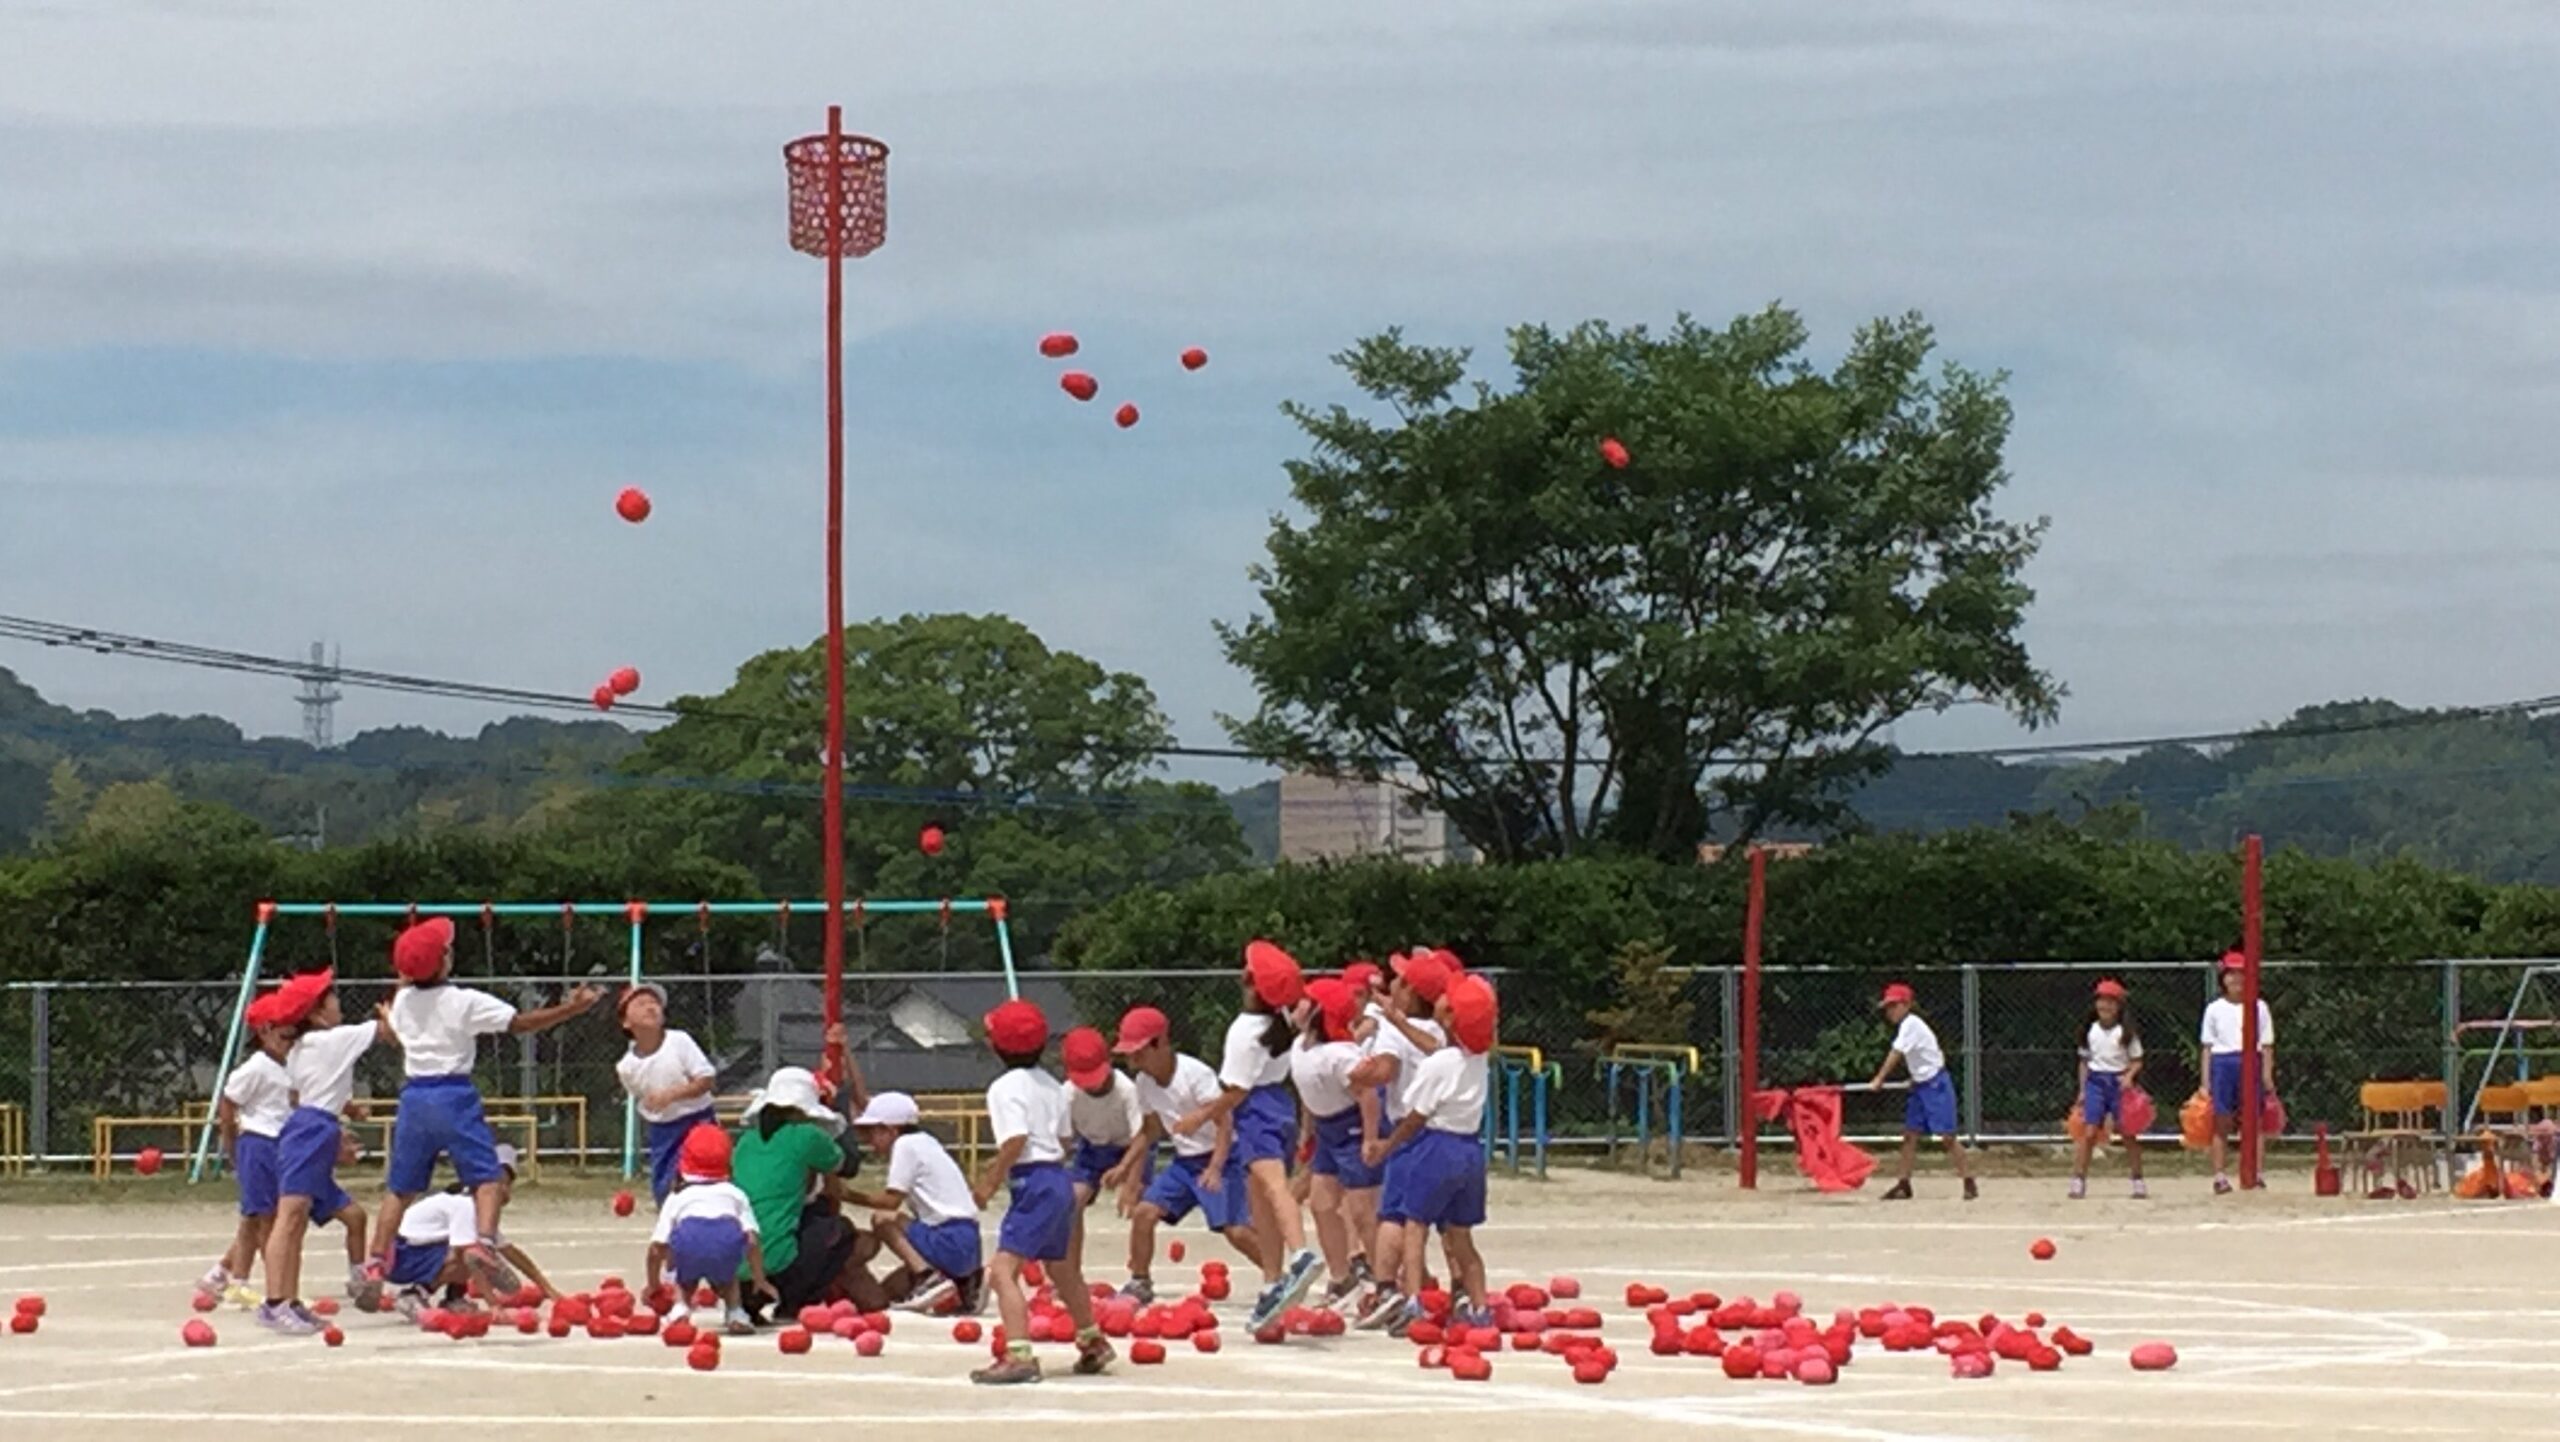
{"type": "Point", "coordinates": [346, 321]}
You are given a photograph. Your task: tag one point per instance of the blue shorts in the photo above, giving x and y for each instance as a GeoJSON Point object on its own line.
{"type": "Point", "coordinates": [253, 1165]}
{"type": "Point", "coordinates": [706, 1249]}
{"type": "Point", "coordinates": [1435, 1180]}
{"type": "Point", "coordinates": [417, 1264]}
{"type": "Point", "coordinates": [666, 1139]}
{"type": "Point", "coordinates": [1041, 1220]}
{"type": "Point", "coordinates": [1092, 1159]}
{"type": "Point", "coordinates": [1176, 1190]}
{"type": "Point", "coordinates": [1267, 1125]}
{"type": "Point", "coordinates": [307, 1161]}
{"type": "Point", "coordinates": [440, 1116]}
{"type": "Point", "coordinates": [1338, 1152]}
{"type": "Point", "coordinates": [1930, 1108]}
{"type": "Point", "coordinates": [2102, 1098]}
{"type": "Point", "coordinates": [952, 1247]}
{"type": "Point", "coordinates": [2222, 1073]}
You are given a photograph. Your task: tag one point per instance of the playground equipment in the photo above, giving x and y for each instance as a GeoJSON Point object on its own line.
{"type": "Point", "coordinates": [1514, 1067]}
{"type": "Point", "coordinates": [2508, 1039]}
{"type": "Point", "coordinates": [636, 913]}
{"type": "Point", "coordinates": [1646, 1064]}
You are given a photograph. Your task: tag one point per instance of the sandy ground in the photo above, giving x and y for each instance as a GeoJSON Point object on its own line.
{"type": "Point", "coordinates": [2293, 1317]}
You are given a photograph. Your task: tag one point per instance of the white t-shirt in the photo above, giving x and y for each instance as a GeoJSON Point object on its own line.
{"type": "Point", "coordinates": [1323, 1075]}
{"type": "Point", "coordinates": [322, 1065]}
{"type": "Point", "coordinates": [703, 1199]}
{"type": "Point", "coordinates": [447, 1217]}
{"type": "Point", "coordinates": [1029, 1103]}
{"type": "Point", "coordinates": [1246, 1062]}
{"type": "Point", "coordinates": [2221, 1031]}
{"type": "Point", "coordinates": [676, 1061]}
{"type": "Point", "coordinates": [440, 1027]}
{"type": "Point", "coordinates": [1193, 1086]}
{"type": "Point", "coordinates": [262, 1092]}
{"type": "Point", "coordinates": [931, 1182]}
{"type": "Point", "coordinates": [1108, 1120]}
{"type": "Point", "coordinates": [1389, 1041]}
{"type": "Point", "coordinates": [2108, 1051]}
{"type": "Point", "coordinates": [1919, 1048]}
{"type": "Point", "coordinates": [1449, 1089]}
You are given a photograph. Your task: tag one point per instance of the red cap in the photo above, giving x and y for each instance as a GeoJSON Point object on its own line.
{"type": "Point", "coordinates": [262, 1011]}
{"type": "Point", "coordinates": [1362, 976]}
{"type": "Point", "coordinates": [1449, 959]}
{"type": "Point", "coordinates": [2234, 961]}
{"type": "Point", "coordinates": [1334, 998]}
{"type": "Point", "coordinates": [420, 952]}
{"type": "Point", "coordinates": [2112, 987]}
{"type": "Point", "coordinates": [1275, 975]}
{"type": "Point", "coordinates": [1088, 1058]}
{"type": "Point", "coordinates": [1017, 1028]}
{"type": "Point", "coordinates": [1897, 992]}
{"type": "Point", "coordinates": [704, 1155]}
{"type": "Point", "coordinates": [295, 1000]}
{"type": "Point", "coordinates": [1472, 1014]}
{"type": "Point", "coordinates": [1140, 1025]}
{"type": "Point", "coordinates": [1425, 973]}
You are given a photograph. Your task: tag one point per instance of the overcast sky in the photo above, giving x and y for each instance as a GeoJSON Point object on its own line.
{"type": "Point", "coordinates": [345, 321]}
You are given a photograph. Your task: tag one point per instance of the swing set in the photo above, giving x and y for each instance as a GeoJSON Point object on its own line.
{"type": "Point", "coordinates": [636, 914]}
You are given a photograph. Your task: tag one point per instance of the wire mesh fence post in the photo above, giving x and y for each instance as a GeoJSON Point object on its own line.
{"type": "Point", "coordinates": [1729, 985]}
{"type": "Point", "coordinates": [40, 1073]}
{"type": "Point", "coordinates": [2450, 1004]}
{"type": "Point", "coordinates": [1972, 1048]}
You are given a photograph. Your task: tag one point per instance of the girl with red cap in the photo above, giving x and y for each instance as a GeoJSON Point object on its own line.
{"type": "Point", "coordinates": [1406, 1034]}
{"type": "Point", "coordinates": [1342, 1187]}
{"type": "Point", "coordinates": [2110, 1060]}
{"type": "Point", "coordinates": [667, 1077]}
{"type": "Point", "coordinates": [1436, 1167]}
{"type": "Point", "coordinates": [257, 1100]}
{"type": "Point", "coordinates": [1930, 1108]}
{"type": "Point", "coordinates": [439, 1026]}
{"type": "Point", "coordinates": [1027, 1112]}
{"type": "Point", "coordinates": [2221, 1037]}
{"type": "Point", "coordinates": [706, 1234]}
{"type": "Point", "coordinates": [1206, 1176]}
{"type": "Point", "coordinates": [1254, 1076]}
{"type": "Point", "coordinates": [321, 1065]}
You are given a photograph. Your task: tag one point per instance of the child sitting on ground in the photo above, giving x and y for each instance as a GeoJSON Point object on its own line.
{"type": "Point", "coordinates": [427, 1253]}
{"type": "Point", "coordinates": [940, 1256]}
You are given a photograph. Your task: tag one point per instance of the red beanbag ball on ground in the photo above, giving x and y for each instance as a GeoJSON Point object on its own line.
{"type": "Point", "coordinates": [869, 1344]}
{"type": "Point", "coordinates": [1204, 1342]}
{"type": "Point", "coordinates": [966, 1332]}
{"type": "Point", "coordinates": [1145, 1353]}
{"type": "Point", "coordinates": [2154, 1357]}
{"type": "Point", "coordinates": [794, 1341]}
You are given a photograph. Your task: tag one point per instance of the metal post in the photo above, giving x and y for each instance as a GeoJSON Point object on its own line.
{"type": "Point", "coordinates": [40, 1072]}
{"type": "Point", "coordinates": [1671, 1121]}
{"type": "Point", "coordinates": [2252, 940]}
{"type": "Point", "coordinates": [2451, 992]}
{"type": "Point", "coordinates": [1644, 1119]}
{"type": "Point", "coordinates": [1972, 1049]}
{"type": "Point", "coordinates": [1753, 908]}
{"type": "Point", "coordinates": [231, 1042]}
{"type": "Point", "coordinates": [630, 1104]}
{"type": "Point", "coordinates": [997, 909]}
{"type": "Point", "coordinates": [831, 808]}
{"type": "Point", "coordinates": [770, 1024]}
{"type": "Point", "coordinates": [1538, 1095]}
{"type": "Point", "coordinates": [1728, 995]}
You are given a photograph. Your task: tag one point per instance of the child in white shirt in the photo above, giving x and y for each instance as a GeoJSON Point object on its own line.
{"type": "Point", "coordinates": [707, 1234]}
{"type": "Point", "coordinates": [667, 1077]}
{"type": "Point", "coordinates": [1435, 1156]}
{"type": "Point", "coordinates": [1930, 1108]}
{"type": "Point", "coordinates": [1027, 1112]}
{"type": "Point", "coordinates": [940, 1254]}
{"type": "Point", "coordinates": [321, 1069]}
{"type": "Point", "coordinates": [257, 1100]}
{"type": "Point", "coordinates": [426, 1253]}
{"type": "Point", "coordinates": [2110, 1060]}
{"type": "Point", "coordinates": [2221, 1037]}
{"type": "Point", "coordinates": [1205, 1176]}
{"type": "Point", "coordinates": [1342, 1187]}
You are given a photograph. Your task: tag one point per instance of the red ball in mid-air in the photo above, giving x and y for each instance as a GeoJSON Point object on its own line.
{"type": "Point", "coordinates": [1126, 416]}
{"type": "Point", "coordinates": [147, 1161]}
{"type": "Point", "coordinates": [1058, 344]}
{"type": "Point", "coordinates": [604, 698]}
{"type": "Point", "coordinates": [1194, 358]}
{"type": "Point", "coordinates": [624, 680]}
{"type": "Point", "coordinates": [930, 840]}
{"type": "Point", "coordinates": [1080, 385]}
{"type": "Point", "coordinates": [623, 1202]}
{"type": "Point", "coordinates": [1614, 453]}
{"type": "Point", "coordinates": [632, 505]}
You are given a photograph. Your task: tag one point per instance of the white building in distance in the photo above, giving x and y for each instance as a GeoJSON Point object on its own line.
{"type": "Point", "coordinates": [1323, 818]}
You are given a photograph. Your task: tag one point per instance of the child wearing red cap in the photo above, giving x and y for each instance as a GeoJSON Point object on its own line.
{"type": "Point", "coordinates": [1435, 1156]}
{"type": "Point", "coordinates": [707, 1234]}
{"type": "Point", "coordinates": [1930, 1108]}
{"type": "Point", "coordinates": [1027, 1112]}
{"type": "Point", "coordinates": [257, 1100]}
{"type": "Point", "coordinates": [1253, 1075]}
{"type": "Point", "coordinates": [941, 1257]}
{"type": "Point", "coordinates": [439, 1026]}
{"type": "Point", "coordinates": [1206, 1176]}
{"type": "Point", "coordinates": [2110, 1060]}
{"type": "Point", "coordinates": [667, 1077]}
{"type": "Point", "coordinates": [1406, 1035]}
{"type": "Point", "coordinates": [1342, 1187]}
{"type": "Point", "coordinates": [321, 1067]}
{"type": "Point", "coordinates": [2222, 1039]}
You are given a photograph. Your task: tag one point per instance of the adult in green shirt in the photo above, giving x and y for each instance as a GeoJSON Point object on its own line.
{"type": "Point", "coordinates": [792, 1167]}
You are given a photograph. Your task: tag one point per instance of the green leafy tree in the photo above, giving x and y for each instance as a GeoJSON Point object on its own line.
{"type": "Point", "coordinates": [1710, 638]}
{"type": "Point", "coordinates": [1651, 1004]}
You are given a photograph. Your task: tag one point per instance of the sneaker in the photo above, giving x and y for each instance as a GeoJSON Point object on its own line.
{"type": "Point", "coordinates": [1383, 1306]}
{"type": "Point", "coordinates": [738, 1323]}
{"type": "Point", "coordinates": [1901, 1191]}
{"type": "Point", "coordinates": [2140, 1192]}
{"type": "Point", "coordinates": [2221, 1186]}
{"type": "Point", "coordinates": [1342, 1289]}
{"type": "Point", "coordinates": [286, 1319]}
{"type": "Point", "coordinates": [972, 1298]}
{"type": "Point", "coordinates": [412, 1303]}
{"type": "Point", "coordinates": [1972, 1193]}
{"type": "Point", "coordinates": [366, 1285]}
{"type": "Point", "coordinates": [2079, 1188]}
{"type": "Point", "coordinates": [928, 1294]}
{"type": "Point", "coordinates": [1094, 1357]}
{"type": "Point", "coordinates": [486, 1267]}
{"type": "Point", "coordinates": [1267, 1308]}
{"type": "Point", "coordinates": [311, 1319]}
{"type": "Point", "coordinates": [1010, 1372]}
{"type": "Point", "coordinates": [1290, 1290]}
{"type": "Point", "coordinates": [216, 1284]}
{"type": "Point", "coordinates": [1139, 1290]}
{"type": "Point", "coordinates": [243, 1296]}
{"type": "Point", "coordinates": [1402, 1322]}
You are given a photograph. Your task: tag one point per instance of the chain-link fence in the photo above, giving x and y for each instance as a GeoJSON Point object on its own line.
{"type": "Point", "coordinates": [73, 1052]}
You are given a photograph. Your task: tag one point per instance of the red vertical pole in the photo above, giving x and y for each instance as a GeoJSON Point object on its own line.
{"type": "Point", "coordinates": [1752, 910]}
{"type": "Point", "coordinates": [2252, 940]}
{"type": "Point", "coordinates": [832, 810]}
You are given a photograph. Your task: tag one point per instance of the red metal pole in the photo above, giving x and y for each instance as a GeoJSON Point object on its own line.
{"type": "Point", "coordinates": [832, 811]}
{"type": "Point", "coordinates": [1752, 910]}
{"type": "Point", "coordinates": [2252, 939]}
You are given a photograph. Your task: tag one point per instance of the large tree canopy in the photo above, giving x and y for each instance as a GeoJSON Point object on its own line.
{"type": "Point", "coordinates": [1709, 639]}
